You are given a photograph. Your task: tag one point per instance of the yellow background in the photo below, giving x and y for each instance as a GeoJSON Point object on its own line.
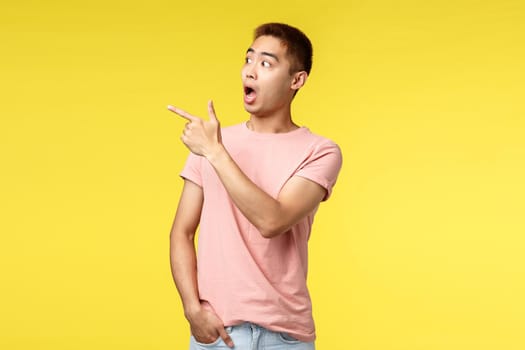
{"type": "Point", "coordinates": [421, 245]}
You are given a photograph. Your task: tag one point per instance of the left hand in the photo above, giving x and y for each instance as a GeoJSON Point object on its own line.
{"type": "Point", "coordinates": [202, 137]}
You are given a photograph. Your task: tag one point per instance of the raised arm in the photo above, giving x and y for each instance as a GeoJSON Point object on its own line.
{"type": "Point", "coordinates": [271, 216]}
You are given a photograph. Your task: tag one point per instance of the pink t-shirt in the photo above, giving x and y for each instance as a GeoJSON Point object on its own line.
{"type": "Point", "coordinates": [243, 276]}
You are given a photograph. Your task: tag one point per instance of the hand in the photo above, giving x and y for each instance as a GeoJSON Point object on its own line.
{"type": "Point", "coordinates": [201, 137]}
{"type": "Point", "coordinates": [206, 327]}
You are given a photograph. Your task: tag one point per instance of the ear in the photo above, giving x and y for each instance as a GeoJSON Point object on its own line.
{"type": "Point", "coordinates": [299, 80]}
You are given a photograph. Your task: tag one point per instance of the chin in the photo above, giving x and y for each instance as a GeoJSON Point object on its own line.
{"type": "Point", "coordinates": [250, 108]}
{"type": "Point", "coordinates": [254, 112]}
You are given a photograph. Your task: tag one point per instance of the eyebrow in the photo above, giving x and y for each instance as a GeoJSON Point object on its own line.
{"type": "Point", "coordinates": [264, 53]}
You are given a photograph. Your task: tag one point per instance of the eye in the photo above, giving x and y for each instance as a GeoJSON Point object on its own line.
{"type": "Point", "coordinates": [248, 60]}
{"type": "Point", "coordinates": [266, 64]}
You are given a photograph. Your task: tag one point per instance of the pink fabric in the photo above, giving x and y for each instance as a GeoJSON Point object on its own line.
{"type": "Point", "coordinates": [243, 276]}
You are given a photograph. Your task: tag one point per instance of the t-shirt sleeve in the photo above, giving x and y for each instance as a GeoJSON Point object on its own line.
{"type": "Point", "coordinates": [192, 169]}
{"type": "Point", "coordinates": [323, 166]}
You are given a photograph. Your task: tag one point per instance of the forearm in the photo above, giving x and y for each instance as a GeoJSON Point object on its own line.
{"type": "Point", "coordinates": [184, 270]}
{"type": "Point", "coordinates": [261, 209]}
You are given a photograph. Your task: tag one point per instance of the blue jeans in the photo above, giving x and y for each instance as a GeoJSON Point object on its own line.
{"type": "Point", "coordinates": [249, 336]}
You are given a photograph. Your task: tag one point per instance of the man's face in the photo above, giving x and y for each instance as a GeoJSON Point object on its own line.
{"type": "Point", "coordinates": [266, 77]}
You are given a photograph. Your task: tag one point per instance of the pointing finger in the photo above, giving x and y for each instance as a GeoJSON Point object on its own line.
{"type": "Point", "coordinates": [182, 113]}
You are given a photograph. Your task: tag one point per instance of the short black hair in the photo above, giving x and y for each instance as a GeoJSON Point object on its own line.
{"type": "Point", "coordinates": [298, 46]}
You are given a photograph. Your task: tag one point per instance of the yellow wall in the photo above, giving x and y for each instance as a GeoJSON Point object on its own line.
{"type": "Point", "coordinates": [421, 246]}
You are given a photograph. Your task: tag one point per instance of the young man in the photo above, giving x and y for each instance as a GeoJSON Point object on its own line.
{"type": "Point", "coordinates": [253, 189]}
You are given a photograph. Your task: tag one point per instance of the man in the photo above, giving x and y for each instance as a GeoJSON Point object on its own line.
{"type": "Point", "coordinates": [252, 189]}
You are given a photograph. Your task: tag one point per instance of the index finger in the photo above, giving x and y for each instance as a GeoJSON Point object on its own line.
{"type": "Point", "coordinates": [225, 337]}
{"type": "Point", "coordinates": [182, 113]}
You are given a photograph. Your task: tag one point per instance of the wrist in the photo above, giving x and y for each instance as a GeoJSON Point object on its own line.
{"type": "Point", "coordinates": [216, 153]}
{"type": "Point", "coordinates": [191, 310]}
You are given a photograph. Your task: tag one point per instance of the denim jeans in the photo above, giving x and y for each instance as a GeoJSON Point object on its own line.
{"type": "Point", "coordinates": [249, 336]}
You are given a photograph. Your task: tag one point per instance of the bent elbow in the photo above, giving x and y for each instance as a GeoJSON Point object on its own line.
{"type": "Point", "coordinates": [272, 230]}
{"type": "Point", "coordinates": [268, 234]}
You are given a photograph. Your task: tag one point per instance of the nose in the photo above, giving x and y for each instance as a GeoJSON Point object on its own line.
{"type": "Point", "coordinates": [250, 72]}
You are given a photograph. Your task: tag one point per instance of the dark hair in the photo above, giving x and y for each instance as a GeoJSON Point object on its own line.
{"type": "Point", "coordinates": [298, 46]}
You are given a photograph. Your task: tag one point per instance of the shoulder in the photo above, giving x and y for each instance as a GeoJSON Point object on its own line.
{"type": "Point", "coordinates": [323, 145]}
{"type": "Point", "coordinates": [322, 163]}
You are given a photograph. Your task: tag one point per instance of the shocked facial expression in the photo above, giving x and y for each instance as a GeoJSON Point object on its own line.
{"type": "Point", "coordinates": [268, 85]}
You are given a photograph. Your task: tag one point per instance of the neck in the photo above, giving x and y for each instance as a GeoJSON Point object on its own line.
{"type": "Point", "coordinates": [276, 123]}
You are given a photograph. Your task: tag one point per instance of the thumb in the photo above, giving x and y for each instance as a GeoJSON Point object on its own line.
{"type": "Point", "coordinates": [211, 111]}
{"type": "Point", "coordinates": [226, 337]}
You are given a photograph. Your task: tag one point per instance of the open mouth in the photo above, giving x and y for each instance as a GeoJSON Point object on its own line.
{"type": "Point", "coordinates": [248, 90]}
{"type": "Point", "coordinates": [249, 95]}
